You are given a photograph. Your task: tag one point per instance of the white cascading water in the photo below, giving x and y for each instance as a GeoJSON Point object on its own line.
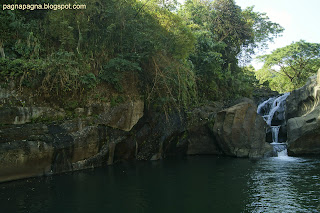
{"type": "Point", "coordinates": [275, 133]}
{"type": "Point", "coordinates": [267, 110]}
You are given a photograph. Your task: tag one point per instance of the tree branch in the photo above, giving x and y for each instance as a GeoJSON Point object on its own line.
{"type": "Point", "coordinates": [141, 8]}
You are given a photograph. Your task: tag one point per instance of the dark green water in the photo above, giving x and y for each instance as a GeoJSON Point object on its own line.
{"type": "Point", "coordinates": [193, 184]}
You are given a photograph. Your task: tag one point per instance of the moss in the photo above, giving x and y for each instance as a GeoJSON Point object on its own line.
{"type": "Point", "coordinates": [183, 137]}
{"type": "Point", "coordinates": [211, 123]}
{"type": "Point", "coordinates": [48, 119]}
{"type": "Point", "coordinates": [117, 99]}
{"type": "Point", "coordinates": [71, 105]}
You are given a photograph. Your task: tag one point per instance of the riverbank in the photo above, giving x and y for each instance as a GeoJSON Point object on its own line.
{"type": "Point", "coordinates": [39, 140]}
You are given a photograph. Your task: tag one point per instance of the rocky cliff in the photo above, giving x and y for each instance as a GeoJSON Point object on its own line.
{"type": "Point", "coordinates": [303, 110]}
{"type": "Point", "coordinates": [43, 140]}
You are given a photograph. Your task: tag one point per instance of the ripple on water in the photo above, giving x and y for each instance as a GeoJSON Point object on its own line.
{"type": "Point", "coordinates": [284, 184]}
{"type": "Point", "coordinates": [197, 184]}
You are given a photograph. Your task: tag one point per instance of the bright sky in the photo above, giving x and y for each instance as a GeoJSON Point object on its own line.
{"type": "Point", "coordinates": [299, 18]}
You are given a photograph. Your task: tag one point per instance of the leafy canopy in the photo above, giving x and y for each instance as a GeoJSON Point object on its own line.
{"type": "Point", "coordinates": [175, 56]}
{"type": "Point", "coordinates": [288, 68]}
{"type": "Point", "coordinates": [224, 31]}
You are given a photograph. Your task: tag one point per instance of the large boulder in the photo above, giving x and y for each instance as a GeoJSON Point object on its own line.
{"type": "Point", "coordinates": [40, 140]}
{"type": "Point", "coordinates": [199, 138]}
{"type": "Point", "coordinates": [303, 110]}
{"type": "Point", "coordinates": [202, 142]}
{"type": "Point", "coordinates": [303, 100]}
{"type": "Point", "coordinates": [161, 136]}
{"type": "Point", "coordinates": [304, 134]}
{"type": "Point", "coordinates": [241, 132]}
{"type": "Point", "coordinates": [41, 149]}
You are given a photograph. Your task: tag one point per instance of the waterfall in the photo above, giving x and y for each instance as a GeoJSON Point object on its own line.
{"type": "Point", "coordinates": [275, 133]}
{"type": "Point", "coordinates": [273, 112]}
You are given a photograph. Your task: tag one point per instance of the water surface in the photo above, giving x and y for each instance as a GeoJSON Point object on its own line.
{"type": "Point", "coordinates": [193, 184]}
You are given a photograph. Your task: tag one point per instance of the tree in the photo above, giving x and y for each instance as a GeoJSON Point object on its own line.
{"type": "Point", "coordinates": [230, 25]}
{"type": "Point", "coordinates": [141, 44]}
{"type": "Point", "coordinates": [263, 31]}
{"type": "Point", "coordinates": [222, 31]}
{"type": "Point", "coordinates": [288, 68]}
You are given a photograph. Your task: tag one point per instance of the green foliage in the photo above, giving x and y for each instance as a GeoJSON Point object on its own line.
{"type": "Point", "coordinates": [89, 80]}
{"type": "Point", "coordinates": [222, 31]}
{"type": "Point", "coordinates": [71, 105]}
{"type": "Point", "coordinates": [25, 71]}
{"type": "Point", "coordinates": [173, 86]}
{"type": "Point", "coordinates": [262, 29]}
{"type": "Point", "coordinates": [247, 80]}
{"type": "Point", "coordinates": [113, 71]}
{"type": "Point", "coordinates": [230, 26]}
{"type": "Point", "coordinates": [177, 56]}
{"type": "Point", "coordinates": [59, 73]}
{"type": "Point", "coordinates": [117, 99]}
{"type": "Point", "coordinates": [288, 68]}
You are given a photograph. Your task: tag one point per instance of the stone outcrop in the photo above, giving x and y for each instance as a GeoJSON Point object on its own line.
{"type": "Point", "coordinates": [15, 110]}
{"type": "Point", "coordinates": [124, 116]}
{"type": "Point", "coordinates": [200, 138]}
{"type": "Point", "coordinates": [303, 100]}
{"type": "Point", "coordinates": [40, 140]}
{"type": "Point", "coordinates": [23, 115]}
{"type": "Point", "coordinates": [261, 94]}
{"type": "Point", "coordinates": [39, 149]}
{"type": "Point", "coordinates": [303, 125]}
{"type": "Point", "coordinates": [304, 134]}
{"type": "Point", "coordinates": [240, 131]}
{"type": "Point", "coordinates": [100, 135]}
{"type": "Point", "coordinates": [43, 140]}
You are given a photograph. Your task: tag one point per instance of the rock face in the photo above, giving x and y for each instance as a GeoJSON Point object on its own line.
{"type": "Point", "coordinates": [42, 140]}
{"type": "Point", "coordinates": [124, 116]}
{"type": "Point", "coordinates": [303, 119]}
{"type": "Point", "coordinates": [304, 100]}
{"type": "Point", "coordinates": [22, 115]}
{"type": "Point", "coordinates": [200, 137]}
{"type": "Point", "coordinates": [39, 144]}
{"type": "Point", "coordinates": [304, 134]}
{"type": "Point", "coordinates": [179, 134]}
{"type": "Point", "coordinates": [240, 131]}
{"type": "Point", "coordinates": [262, 94]}
{"type": "Point", "coordinates": [39, 149]}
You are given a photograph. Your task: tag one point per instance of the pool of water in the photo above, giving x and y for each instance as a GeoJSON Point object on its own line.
{"type": "Point", "coordinates": [192, 184]}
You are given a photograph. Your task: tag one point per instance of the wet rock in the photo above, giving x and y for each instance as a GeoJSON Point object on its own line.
{"type": "Point", "coordinates": [262, 94]}
{"type": "Point", "coordinates": [304, 134]}
{"type": "Point", "coordinates": [38, 149]}
{"type": "Point", "coordinates": [202, 142]}
{"type": "Point", "coordinates": [303, 123]}
{"type": "Point", "coordinates": [200, 139]}
{"type": "Point", "coordinates": [303, 100]}
{"type": "Point", "coordinates": [240, 131]}
{"type": "Point", "coordinates": [99, 135]}
{"type": "Point", "coordinates": [124, 116]}
{"type": "Point", "coordinates": [159, 135]}
{"type": "Point", "coordinates": [22, 115]}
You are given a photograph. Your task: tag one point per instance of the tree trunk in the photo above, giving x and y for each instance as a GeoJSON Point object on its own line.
{"type": "Point", "coordinates": [2, 51]}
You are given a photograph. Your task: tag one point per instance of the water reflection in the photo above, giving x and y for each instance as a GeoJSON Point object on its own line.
{"type": "Point", "coordinates": [283, 184]}
{"type": "Point", "coordinates": [197, 184]}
